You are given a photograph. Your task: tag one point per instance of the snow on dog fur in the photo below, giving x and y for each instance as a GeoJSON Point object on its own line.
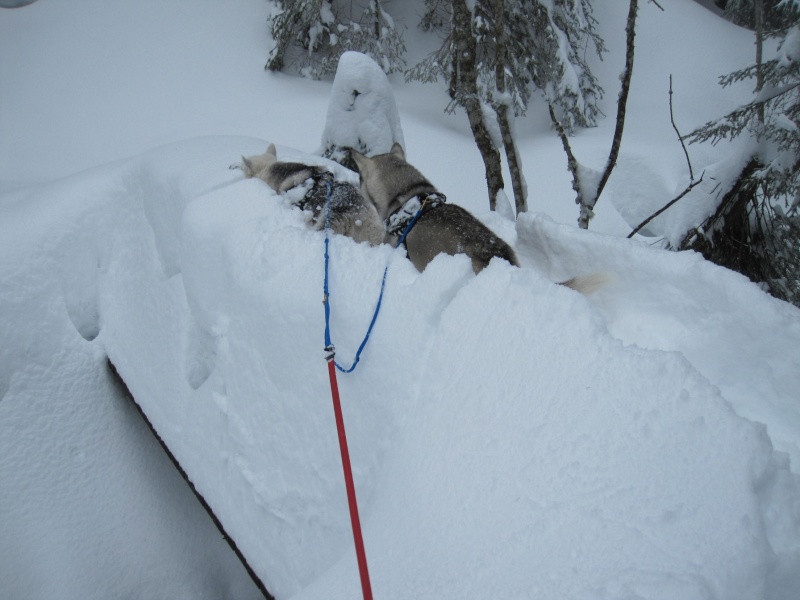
{"type": "Point", "coordinates": [350, 214]}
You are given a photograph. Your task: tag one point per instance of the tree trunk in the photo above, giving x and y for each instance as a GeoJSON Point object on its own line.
{"type": "Point", "coordinates": [512, 155]}
{"type": "Point", "coordinates": [468, 97]}
{"type": "Point", "coordinates": [734, 238]}
{"type": "Point", "coordinates": [588, 204]}
{"type": "Point", "coordinates": [758, 17]}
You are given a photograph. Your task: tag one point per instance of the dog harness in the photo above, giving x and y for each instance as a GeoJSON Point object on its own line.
{"type": "Point", "coordinates": [401, 221]}
{"type": "Point", "coordinates": [317, 181]}
{"type": "Point", "coordinates": [345, 197]}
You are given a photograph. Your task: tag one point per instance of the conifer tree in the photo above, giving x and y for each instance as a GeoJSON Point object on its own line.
{"type": "Point", "coordinates": [523, 48]}
{"type": "Point", "coordinates": [755, 228]}
{"type": "Point", "coordinates": [546, 45]}
{"type": "Point", "coordinates": [312, 34]}
{"type": "Point", "coordinates": [745, 12]}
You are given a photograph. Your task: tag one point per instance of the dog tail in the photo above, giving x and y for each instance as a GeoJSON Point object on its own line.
{"type": "Point", "coordinates": [587, 284]}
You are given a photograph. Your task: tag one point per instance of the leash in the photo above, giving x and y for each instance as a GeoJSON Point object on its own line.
{"type": "Point", "coordinates": [330, 358]}
{"type": "Point", "coordinates": [352, 503]}
{"type": "Point", "coordinates": [330, 354]}
{"type": "Point", "coordinates": [433, 200]}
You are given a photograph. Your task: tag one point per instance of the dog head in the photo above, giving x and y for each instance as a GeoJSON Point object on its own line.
{"type": "Point", "coordinates": [280, 176]}
{"type": "Point", "coordinates": [253, 166]}
{"type": "Point", "coordinates": [387, 180]}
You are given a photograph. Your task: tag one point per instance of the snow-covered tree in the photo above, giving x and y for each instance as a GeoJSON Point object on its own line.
{"type": "Point", "coordinates": [362, 113]}
{"type": "Point", "coordinates": [546, 45]}
{"type": "Point", "coordinates": [522, 48]}
{"type": "Point", "coordinates": [306, 23]}
{"type": "Point", "coordinates": [755, 228]}
{"type": "Point", "coordinates": [436, 16]}
{"type": "Point", "coordinates": [376, 36]}
{"type": "Point", "coordinates": [311, 35]}
{"type": "Point", "coordinates": [568, 37]}
{"type": "Point", "coordinates": [468, 94]}
{"type": "Point", "coordinates": [771, 14]}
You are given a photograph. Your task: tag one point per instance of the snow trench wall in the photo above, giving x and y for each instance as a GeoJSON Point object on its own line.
{"type": "Point", "coordinates": [509, 436]}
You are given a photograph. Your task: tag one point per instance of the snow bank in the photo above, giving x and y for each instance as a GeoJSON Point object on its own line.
{"type": "Point", "coordinates": [742, 340]}
{"type": "Point", "coordinates": [90, 506]}
{"type": "Point", "coordinates": [510, 437]}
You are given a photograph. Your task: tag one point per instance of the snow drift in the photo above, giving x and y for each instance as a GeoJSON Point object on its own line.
{"type": "Point", "coordinates": [510, 437]}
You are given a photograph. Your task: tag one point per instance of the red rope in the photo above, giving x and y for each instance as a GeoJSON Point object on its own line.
{"type": "Point", "coordinates": [361, 555]}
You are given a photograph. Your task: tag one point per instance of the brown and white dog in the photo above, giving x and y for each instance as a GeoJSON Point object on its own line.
{"type": "Point", "coordinates": [398, 190]}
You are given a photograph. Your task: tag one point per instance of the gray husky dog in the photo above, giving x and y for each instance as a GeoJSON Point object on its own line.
{"type": "Point", "coordinates": [398, 191]}
{"type": "Point", "coordinates": [350, 214]}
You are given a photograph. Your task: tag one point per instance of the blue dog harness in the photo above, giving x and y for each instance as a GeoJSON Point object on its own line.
{"type": "Point", "coordinates": [401, 222]}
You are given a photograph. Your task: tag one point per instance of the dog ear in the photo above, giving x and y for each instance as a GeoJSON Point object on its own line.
{"type": "Point", "coordinates": [269, 158]}
{"type": "Point", "coordinates": [398, 151]}
{"type": "Point", "coordinates": [247, 167]}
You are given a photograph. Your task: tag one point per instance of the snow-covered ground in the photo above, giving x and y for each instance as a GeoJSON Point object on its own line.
{"type": "Point", "coordinates": [510, 437]}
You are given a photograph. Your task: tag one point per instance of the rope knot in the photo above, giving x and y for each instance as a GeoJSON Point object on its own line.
{"type": "Point", "coordinates": [330, 353]}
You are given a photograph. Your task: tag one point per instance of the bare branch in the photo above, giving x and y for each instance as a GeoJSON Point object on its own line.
{"type": "Point", "coordinates": [678, 133]}
{"type": "Point", "coordinates": [622, 103]}
{"type": "Point", "coordinates": [692, 182]}
{"type": "Point", "coordinates": [688, 189]}
{"type": "Point", "coordinates": [587, 199]}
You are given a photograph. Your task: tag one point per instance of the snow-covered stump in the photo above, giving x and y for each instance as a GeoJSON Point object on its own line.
{"type": "Point", "coordinates": [362, 113]}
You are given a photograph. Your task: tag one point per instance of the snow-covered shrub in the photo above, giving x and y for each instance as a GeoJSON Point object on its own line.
{"type": "Point", "coordinates": [312, 34]}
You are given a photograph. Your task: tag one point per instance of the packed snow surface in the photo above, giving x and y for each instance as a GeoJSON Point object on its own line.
{"type": "Point", "coordinates": [510, 437]}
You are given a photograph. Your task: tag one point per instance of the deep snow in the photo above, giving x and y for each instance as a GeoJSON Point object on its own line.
{"type": "Point", "coordinates": [510, 437]}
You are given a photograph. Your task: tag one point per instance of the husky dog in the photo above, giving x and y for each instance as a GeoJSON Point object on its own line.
{"type": "Point", "coordinates": [350, 214]}
{"type": "Point", "coordinates": [398, 191]}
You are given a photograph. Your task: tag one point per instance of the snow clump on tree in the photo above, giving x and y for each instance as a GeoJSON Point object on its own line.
{"type": "Point", "coordinates": [362, 113]}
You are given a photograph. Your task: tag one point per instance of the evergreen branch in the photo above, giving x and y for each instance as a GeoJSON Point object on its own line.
{"type": "Point", "coordinates": [736, 120]}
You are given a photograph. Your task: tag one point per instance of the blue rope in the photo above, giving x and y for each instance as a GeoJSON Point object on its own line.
{"type": "Point", "coordinates": [330, 351]}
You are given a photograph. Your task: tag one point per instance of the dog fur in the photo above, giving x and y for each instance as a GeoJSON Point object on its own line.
{"type": "Point", "coordinates": [389, 181]}
{"type": "Point", "coordinates": [350, 214]}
